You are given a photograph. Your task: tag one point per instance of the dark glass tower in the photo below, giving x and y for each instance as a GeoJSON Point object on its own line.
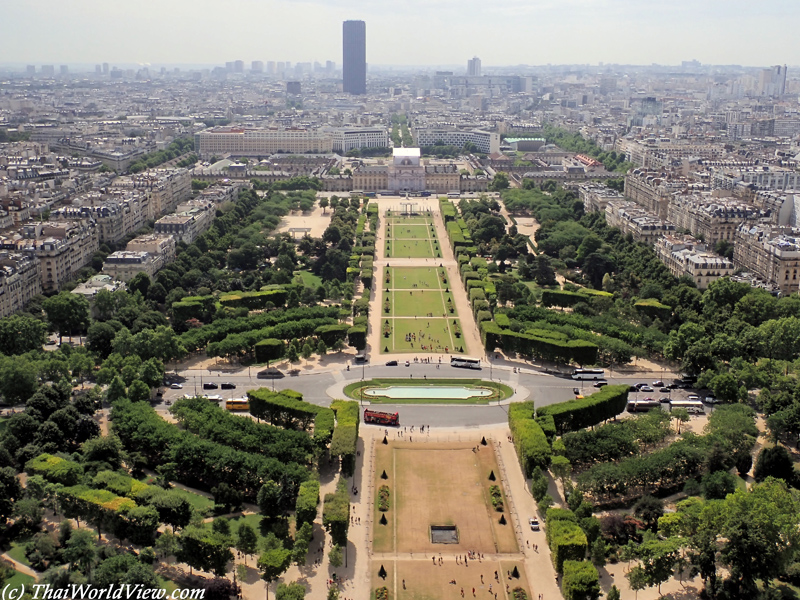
{"type": "Point", "coordinates": [354, 65]}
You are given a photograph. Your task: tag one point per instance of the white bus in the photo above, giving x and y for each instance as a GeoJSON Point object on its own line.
{"type": "Point", "coordinates": [588, 374]}
{"type": "Point", "coordinates": [465, 362]}
{"type": "Point", "coordinates": [693, 407]}
{"type": "Point", "coordinates": [643, 405]}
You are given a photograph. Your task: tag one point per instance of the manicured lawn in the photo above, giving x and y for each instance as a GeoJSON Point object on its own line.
{"type": "Point", "coordinates": [420, 303]}
{"type": "Point", "coordinates": [167, 584]}
{"type": "Point", "coordinates": [439, 336]}
{"type": "Point", "coordinates": [412, 249]}
{"type": "Point", "coordinates": [199, 503]}
{"type": "Point", "coordinates": [17, 552]}
{"type": "Point", "coordinates": [404, 231]}
{"type": "Point", "coordinates": [411, 237]}
{"type": "Point", "coordinates": [16, 581]}
{"type": "Point", "coordinates": [405, 278]}
{"type": "Point", "coordinates": [309, 279]}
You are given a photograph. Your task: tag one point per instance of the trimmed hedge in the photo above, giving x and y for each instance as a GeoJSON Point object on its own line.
{"type": "Point", "coordinates": [357, 337]}
{"type": "Point", "coordinates": [281, 409]}
{"type": "Point", "coordinates": [330, 334]}
{"type": "Point", "coordinates": [586, 412]}
{"type": "Point", "coordinates": [580, 351]}
{"type": "Point", "coordinates": [323, 427]}
{"type": "Point", "coordinates": [269, 349]}
{"type": "Point", "coordinates": [502, 320]}
{"type": "Point", "coordinates": [567, 541]}
{"type": "Point", "coordinates": [55, 469]}
{"type": "Point", "coordinates": [307, 502]}
{"type": "Point", "coordinates": [345, 434]}
{"type": "Point", "coordinates": [530, 441]}
{"type": "Point", "coordinates": [254, 300]}
{"type": "Point", "coordinates": [581, 581]}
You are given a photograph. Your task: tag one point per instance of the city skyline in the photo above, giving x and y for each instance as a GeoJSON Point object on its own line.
{"type": "Point", "coordinates": [602, 31]}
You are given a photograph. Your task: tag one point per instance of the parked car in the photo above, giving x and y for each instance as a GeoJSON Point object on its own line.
{"type": "Point", "coordinates": [665, 390]}
{"type": "Point", "coordinates": [658, 383]}
{"type": "Point", "coordinates": [639, 386]}
{"type": "Point", "coordinates": [210, 385]}
{"type": "Point", "coordinates": [391, 363]}
{"type": "Point", "coordinates": [664, 399]}
{"type": "Point", "coordinates": [693, 397]}
{"type": "Point", "coordinates": [711, 400]}
{"type": "Point", "coordinates": [534, 523]}
{"type": "Point", "coordinates": [228, 386]}
{"type": "Point", "coordinates": [633, 388]}
{"type": "Point", "coordinates": [176, 386]}
{"type": "Point", "coordinates": [646, 388]}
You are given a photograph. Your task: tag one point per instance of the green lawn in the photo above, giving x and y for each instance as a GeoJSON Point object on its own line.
{"type": "Point", "coordinates": [17, 552]}
{"type": "Point", "coordinates": [439, 337]}
{"type": "Point", "coordinates": [412, 249]}
{"type": "Point", "coordinates": [309, 279]}
{"type": "Point", "coordinates": [405, 231]}
{"type": "Point", "coordinates": [199, 503]}
{"type": "Point", "coordinates": [16, 581]}
{"type": "Point", "coordinates": [420, 303]}
{"type": "Point", "coordinates": [405, 278]}
{"type": "Point", "coordinates": [411, 237]}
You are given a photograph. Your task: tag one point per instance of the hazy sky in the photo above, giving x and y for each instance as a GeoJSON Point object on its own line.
{"type": "Point", "coordinates": [401, 32]}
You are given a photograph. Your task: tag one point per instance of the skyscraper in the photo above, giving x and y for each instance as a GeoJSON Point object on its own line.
{"type": "Point", "coordinates": [354, 67]}
{"type": "Point", "coordinates": [474, 67]}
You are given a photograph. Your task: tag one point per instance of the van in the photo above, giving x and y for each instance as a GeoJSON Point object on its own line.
{"type": "Point", "coordinates": [360, 358]}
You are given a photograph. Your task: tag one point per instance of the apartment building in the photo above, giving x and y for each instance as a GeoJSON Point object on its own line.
{"type": "Point", "coordinates": [485, 141]}
{"type": "Point", "coordinates": [653, 189]}
{"type": "Point", "coordinates": [711, 219]}
{"type": "Point", "coordinates": [62, 248]}
{"type": "Point", "coordinates": [89, 289]}
{"type": "Point", "coordinates": [760, 178]}
{"type": "Point", "coordinates": [165, 188]}
{"type": "Point", "coordinates": [595, 197]}
{"type": "Point", "coordinates": [345, 139]}
{"type": "Point", "coordinates": [124, 265]}
{"type": "Point", "coordinates": [632, 219]}
{"type": "Point", "coordinates": [20, 280]}
{"type": "Point", "coordinates": [162, 246]}
{"type": "Point", "coordinates": [116, 214]}
{"type": "Point", "coordinates": [261, 142]}
{"type": "Point", "coordinates": [687, 256]}
{"type": "Point", "coordinates": [770, 253]}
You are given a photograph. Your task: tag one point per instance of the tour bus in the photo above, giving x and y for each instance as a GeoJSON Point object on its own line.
{"type": "Point", "coordinates": [643, 405]}
{"type": "Point", "coordinates": [454, 195]}
{"type": "Point", "coordinates": [588, 374]}
{"type": "Point", "coordinates": [356, 194]}
{"type": "Point", "coordinates": [693, 407]}
{"type": "Point", "coordinates": [237, 404]}
{"type": "Point", "coordinates": [465, 362]}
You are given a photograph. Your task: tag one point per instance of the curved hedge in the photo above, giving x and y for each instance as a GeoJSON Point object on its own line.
{"type": "Point", "coordinates": [580, 351]}
{"type": "Point", "coordinates": [55, 469]}
{"type": "Point", "coordinates": [587, 412]}
{"type": "Point", "coordinates": [530, 441]}
{"type": "Point", "coordinates": [281, 409]}
{"type": "Point", "coordinates": [307, 502]}
{"type": "Point", "coordinates": [566, 540]}
{"type": "Point", "coordinates": [254, 300]}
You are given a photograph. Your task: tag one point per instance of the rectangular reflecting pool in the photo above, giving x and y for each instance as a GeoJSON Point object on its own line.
{"type": "Point", "coordinates": [404, 392]}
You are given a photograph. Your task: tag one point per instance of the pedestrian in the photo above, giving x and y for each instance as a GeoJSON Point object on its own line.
{"type": "Point", "coordinates": [404, 584]}
{"type": "Point", "coordinates": [481, 577]}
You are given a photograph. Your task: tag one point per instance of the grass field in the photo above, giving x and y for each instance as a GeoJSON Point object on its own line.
{"type": "Point", "coordinates": [421, 317]}
{"type": "Point", "coordinates": [15, 582]}
{"type": "Point", "coordinates": [411, 237]}
{"type": "Point", "coordinates": [424, 494]}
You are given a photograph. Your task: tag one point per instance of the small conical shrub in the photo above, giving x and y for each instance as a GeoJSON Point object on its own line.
{"type": "Point", "coordinates": [384, 475]}
{"type": "Point", "coordinates": [502, 519]}
{"type": "Point", "coordinates": [383, 520]}
{"type": "Point", "coordinates": [492, 477]}
{"type": "Point", "coordinates": [514, 573]}
{"type": "Point", "coordinates": [382, 572]}
{"type": "Point", "coordinates": [483, 441]}
{"type": "Point", "coordinates": [385, 443]}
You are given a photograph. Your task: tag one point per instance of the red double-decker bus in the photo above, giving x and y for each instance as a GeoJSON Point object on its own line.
{"type": "Point", "coordinates": [381, 418]}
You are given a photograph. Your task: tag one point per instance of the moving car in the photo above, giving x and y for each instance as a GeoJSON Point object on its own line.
{"type": "Point", "coordinates": [646, 388]}
{"type": "Point", "coordinates": [665, 390]}
{"type": "Point", "coordinates": [408, 363]}
{"type": "Point", "coordinates": [658, 383]}
{"type": "Point", "coordinates": [534, 523]}
{"type": "Point", "coordinates": [391, 363]}
{"type": "Point", "coordinates": [176, 386]}
{"type": "Point", "coordinates": [711, 400]}
{"type": "Point", "coordinates": [210, 386]}
{"type": "Point", "coordinates": [601, 383]}
{"type": "Point", "coordinates": [228, 386]}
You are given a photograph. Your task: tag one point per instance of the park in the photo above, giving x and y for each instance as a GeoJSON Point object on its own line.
{"type": "Point", "coordinates": [433, 526]}
{"type": "Point", "coordinates": [411, 236]}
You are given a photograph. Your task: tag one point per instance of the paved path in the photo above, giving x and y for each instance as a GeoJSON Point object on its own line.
{"type": "Point", "coordinates": [18, 566]}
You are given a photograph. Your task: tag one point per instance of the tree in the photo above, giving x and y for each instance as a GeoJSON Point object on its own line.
{"type": "Point", "coordinates": [292, 591]}
{"type": "Point", "coordinates": [246, 539]}
{"type": "Point", "coordinates": [138, 391]}
{"type": "Point", "coordinates": [323, 203]}
{"type": "Point", "coordinates": [273, 563]}
{"type": "Point", "coordinates": [613, 593]}
{"type": "Point", "coordinates": [81, 550]}
{"type": "Point", "coordinates": [637, 579]}
{"type": "Point", "coordinates": [67, 312]}
{"type": "Point", "coordinates": [140, 283]}
{"type": "Point", "coordinates": [116, 390]}
{"type": "Point", "coordinates": [18, 378]}
{"type": "Point", "coordinates": [581, 581]}
{"type": "Point", "coordinates": [681, 415]}
{"type": "Point", "coordinates": [499, 182]}
{"type": "Point", "coordinates": [307, 351]}
{"type": "Point", "coordinates": [229, 498]}
{"type": "Point", "coordinates": [20, 334]}
{"type": "Point", "coordinates": [335, 556]}
{"type": "Point", "coordinates": [599, 550]}
{"type": "Point", "coordinates": [544, 273]}
{"type": "Point", "coordinates": [301, 544]}
{"type": "Point", "coordinates": [774, 461]}
{"type": "Point", "coordinates": [204, 550]}
{"type": "Point", "coordinates": [10, 492]}
{"type": "Point", "coordinates": [322, 349]}
{"type": "Point", "coordinates": [649, 509]}
{"type": "Point", "coordinates": [269, 499]}
{"type": "Point", "coordinates": [717, 485]}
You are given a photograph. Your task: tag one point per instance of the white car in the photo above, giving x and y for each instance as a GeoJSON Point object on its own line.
{"type": "Point", "coordinates": [176, 386]}
{"type": "Point", "coordinates": [534, 522]}
{"type": "Point", "coordinates": [646, 388]}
